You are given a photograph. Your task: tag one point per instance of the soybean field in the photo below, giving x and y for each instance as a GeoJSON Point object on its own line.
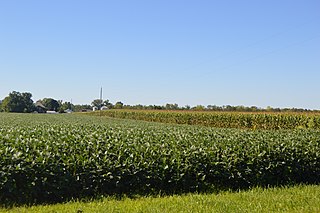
{"type": "Point", "coordinates": [53, 158]}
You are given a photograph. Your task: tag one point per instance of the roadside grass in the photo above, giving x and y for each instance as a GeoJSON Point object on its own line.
{"type": "Point", "coordinates": [301, 198]}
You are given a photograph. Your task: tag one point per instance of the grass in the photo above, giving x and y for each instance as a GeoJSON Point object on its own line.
{"type": "Point", "coordinates": [287, 199]}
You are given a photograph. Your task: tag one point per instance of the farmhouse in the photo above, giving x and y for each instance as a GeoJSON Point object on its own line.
{"type": "Point", "coordinates": [40, 108]}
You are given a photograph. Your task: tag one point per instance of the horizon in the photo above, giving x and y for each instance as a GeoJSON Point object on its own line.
{"type": "Point", "coordinates": [179, 106]}
{"type": "Point", "coordinates": [233, 53]}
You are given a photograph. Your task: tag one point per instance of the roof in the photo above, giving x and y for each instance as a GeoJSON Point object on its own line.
{"type": "Point", "coordinates": [39, 104]}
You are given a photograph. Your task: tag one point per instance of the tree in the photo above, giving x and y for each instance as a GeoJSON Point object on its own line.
{"type": "Point", "coordinates": [51, 104]}
{"type": "Point", "coordinates": [18, 102]}
{"type": "Point", "coordinates": [67, 105]}
{"type": "Point", "coordinates": [98, 103]}
{"type": "Point", "coordinates": [171, 106]}
{"type": "Point", "coordinates": [80, 108]}
{"type": "Point", "coordinates": [108, 104]}
{"type": "Point", "coordinates": [118, 105]}
{"type": "Point", "coordinates": [187, 107]}
{"type": "Point", "coordinates": [199, 107]}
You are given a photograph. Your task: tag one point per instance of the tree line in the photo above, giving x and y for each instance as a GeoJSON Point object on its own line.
{"type": "Point", "coordinates": [22, 102]}
{"type": "Point", "coordinates": [100, 104]}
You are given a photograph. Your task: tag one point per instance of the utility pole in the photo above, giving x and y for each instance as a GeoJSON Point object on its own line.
{"type": "Point", "coordinates": [100, 101]}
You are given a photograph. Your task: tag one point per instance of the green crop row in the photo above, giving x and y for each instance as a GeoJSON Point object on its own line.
{"type": "Point", "coordinates": [52, 158]}
{"type": "Point", "coordinates": [221, 119]}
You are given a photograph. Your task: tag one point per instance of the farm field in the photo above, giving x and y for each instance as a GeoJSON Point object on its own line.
{"type": "Point", "coordinates": [55, 158]}
{"type": "Point", "coordinates": [243, 120]}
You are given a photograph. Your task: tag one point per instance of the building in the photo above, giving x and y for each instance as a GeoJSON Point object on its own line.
{"type": "Point", "coordinates": [104, 108]}
{"type": "Point", "coordinates": [40, 108]}
{"type": "Point", "coordinates": [68, 111]}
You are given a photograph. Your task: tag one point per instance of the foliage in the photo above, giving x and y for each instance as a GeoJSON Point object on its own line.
{"type": "Point", "coordinates": [199, 108]}
{"type": "Point", "coordinates": [100, 103]}
{"type": "Point", "coordinates": [80, 108]}
{"type": "Point", "coordinates": [50, 158]}
{"type": "Point", "coordinates": [18, 102]}
{"type": "Point", "coordinates": [51, 104]}
{"type": "Point", "coordinates": [109, 105]}
{"type": "Point", "coordinates": [118, 105]}
{"type": "Point", "coordinates": [171, 107]}
{"type": "Point", "coordinates": [67, 105]}
{"type": "Point", "coordinates": [222, 119]}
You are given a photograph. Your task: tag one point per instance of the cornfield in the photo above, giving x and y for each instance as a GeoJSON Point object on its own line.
{"type": "Point", "coordinates": [271, 121]}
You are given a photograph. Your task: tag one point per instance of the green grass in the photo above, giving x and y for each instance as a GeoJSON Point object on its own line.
{"type": "Point", "coordinates": [292, 199]}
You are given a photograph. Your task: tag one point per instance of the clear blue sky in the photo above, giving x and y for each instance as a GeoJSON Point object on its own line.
{"type": "Point", "coordinates": [248, 52]}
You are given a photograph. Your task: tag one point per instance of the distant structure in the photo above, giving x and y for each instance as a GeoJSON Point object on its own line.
{"type": "Point", "coordinates": [52, 112]}
{"type": "Point", "coordinates": [40, 108]}
{"type": "Point", "coordinates": [104, 108]}
{"type": "Point", "coordinates": [68, 111]}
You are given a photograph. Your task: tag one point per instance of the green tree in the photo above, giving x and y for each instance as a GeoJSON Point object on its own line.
{"type": "Point", "coordinates": [79, 108]}
{"type": "Point", "coordinates": [18, 102]}
{"type": "Point", "coordinates": [187, 107]}
{"type": "Point", "coordinates": [118, 105]}
{"type": "Point", "coordinates": [108, 104]}
{"type": "Point", "coordinates": [67, 105]}
{"type": "Point", "coordinates": [171, 106]}
{"type": "Point", "coordinates": [98, 103]}
{"type": "Point", "coordinates": [199, 107]}
{"type": "Point", "coordinates": [51, 104]}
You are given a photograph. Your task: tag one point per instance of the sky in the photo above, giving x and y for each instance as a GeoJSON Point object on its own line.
{"type": "Point", "coordinates": [190, 52]}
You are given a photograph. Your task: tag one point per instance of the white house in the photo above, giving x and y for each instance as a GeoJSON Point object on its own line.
{"type": "Point", "coordinates": [104, 108]}
{"type": "Point", "coordinates": [68, 111]}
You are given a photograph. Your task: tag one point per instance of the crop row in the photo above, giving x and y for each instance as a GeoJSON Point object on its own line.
{"type": "Point", "coordinates": [52, 158]}
{"type": "Point", "coordinates": [222, 119]}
